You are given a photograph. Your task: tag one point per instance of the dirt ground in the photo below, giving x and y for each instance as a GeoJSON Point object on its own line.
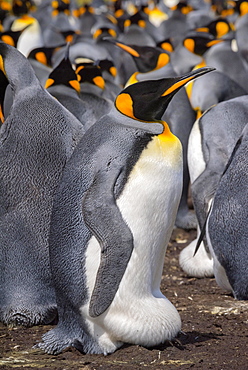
{"type": "Point", "coordinates": [215, 331]}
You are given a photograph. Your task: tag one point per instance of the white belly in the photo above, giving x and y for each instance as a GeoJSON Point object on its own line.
{"type": "Point", "coordinates": [196, 162]}
{"type": "Point", "coordinates": [149, 205]}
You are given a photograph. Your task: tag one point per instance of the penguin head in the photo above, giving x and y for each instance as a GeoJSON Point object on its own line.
{"type": "Point", "coordinates": [182, 7]}
{"type": "Point", "coordinates": [14, 70]}
{"type": "Point", "coordinates": [136, 19]}
{"type": "Point", "coordinates": [146, 58]}
{"type": "Point", "coordinates": [198, 44]}
{"type": "Point", "coordinates": [101, 32]}
{"type": "Point", "coordinates": [12, 37]}
{"type": "Point", "coordinates": [83, 10]}
{"type": "Point", "coordinates": [64, 74]}
{"type": "Point", "coordinates": [60, 6]}
{"type": "Point", "coordinates": [91, 73]}
{"type": "Point", "coordinates": [166, 45]}
{"type": "Point", "coordinates": [218, 27]}
{"type": "Point", "coordinates": [147, 100]}
{"type": "Point", "coordinates": [44, 54]}
{"type": "Point", "coordinates": [108, 66]}
{"type": "Point", "coordinates": [5, 9]}
{"type": "Point", "coordinates": [241, 6]}
{"type": "Point", "coordinates": [21, 7]}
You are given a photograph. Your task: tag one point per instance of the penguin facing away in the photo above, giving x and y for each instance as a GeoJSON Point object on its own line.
{"type": "Point", "coordinates": [229, 213]}
{"type": "Point", "coordinates": [112, 218]}
{"type": "Point", "coordinates": [36, 139]}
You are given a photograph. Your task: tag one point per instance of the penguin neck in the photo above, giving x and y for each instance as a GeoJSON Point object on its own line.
{"type": "Point", "coordinates": [166, 136]}
{"type": "Point", "coordinates": [152, 128]}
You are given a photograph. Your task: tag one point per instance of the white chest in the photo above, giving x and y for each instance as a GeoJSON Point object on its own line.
{"type": "Point", "coordinates": [148, 205]}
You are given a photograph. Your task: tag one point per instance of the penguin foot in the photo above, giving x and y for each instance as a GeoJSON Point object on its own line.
{"type": "Point", "coordinates": [186, 220]}
{"type": "Point", "coordinates": [28, 317]}
{"type": "Point", "coordinates": [200, 265]}
{"type": "Point", "coordinates": [54, 342]}
{"type": "Point", "coordinates": [59, 339]}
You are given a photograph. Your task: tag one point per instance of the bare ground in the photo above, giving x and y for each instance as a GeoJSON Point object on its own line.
{"type": "Point", "coordinates": [215, 331]}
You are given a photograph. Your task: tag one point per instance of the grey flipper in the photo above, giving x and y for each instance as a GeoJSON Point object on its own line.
{"type": "Point", "coordinates": [114, 236]}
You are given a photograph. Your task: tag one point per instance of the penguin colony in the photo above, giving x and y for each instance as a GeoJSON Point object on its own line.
{"type": "Point", "coordinates": [93, 175]}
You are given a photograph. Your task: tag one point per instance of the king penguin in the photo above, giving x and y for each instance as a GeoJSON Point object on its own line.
{"type": "Point", "coordinates": [112, 218]}
{"type": "Point", "coordinates": [36, 139]}
{"type": "Point", "coordinates": [155, 63]}
{"type": "Point", "coordinates": [211, 143]}
{"type": "Point", "coordinates": [226, 229]}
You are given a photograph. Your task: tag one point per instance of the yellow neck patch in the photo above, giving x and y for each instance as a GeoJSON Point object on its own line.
{"type": "Point", "coordinates": [167, 135]}
{"type": "Point", "coordinates": [132, 80]}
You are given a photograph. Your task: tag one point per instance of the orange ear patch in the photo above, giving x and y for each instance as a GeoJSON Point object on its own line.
{"type": "Point", "coordinates": [124, 104]}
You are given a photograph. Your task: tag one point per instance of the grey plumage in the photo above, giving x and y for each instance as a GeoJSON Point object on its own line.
{"type": "Point", "coordinates": [36, 140]}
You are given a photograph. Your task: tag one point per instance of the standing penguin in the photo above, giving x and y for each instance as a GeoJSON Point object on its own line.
{"type": "Point", "coordinates": [226, 230]}
{"type": "Point", "coordinates": [112, 218]}
{"type": "Point", "coordinates": [208, 155]}
{"type": "Point", "coordinates": [36, 139]}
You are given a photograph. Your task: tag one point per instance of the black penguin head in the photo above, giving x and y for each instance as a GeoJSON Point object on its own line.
{"type": "Point", "coordinates": [146, 58]}
{"type": "Point", "coordinates": [21, 7]}
{"type": "Point", "coordinates": [5, 8]}
{"type": "Point", "coordinates": [101, 32]}
{"type": "Point", "coordinates": [91, 73]}
{"type": "Point", "coordinates": [198, 44]}
{"type": "Point", "coordinates": [241, 6]}
{"type": "Point", "coordinates": [166, 45]}
{"type": "Point", "coordinates": [137, 18]}
{"type": "Point", "coordinates": [148, 100]}
{"type": "Point", "coordinates": [64, 74]}
{"type": "Point", "coordinates": [182, 7]}
{"type": "Point", "coordinates": [12, 37]}
{"type": "Point", "coordinates": [60, 6]}
{"type": "Point", "coordinates": [44, 54]}
{"type": "Point", "coordinates": [218, 28]}
{"type": "Point", "coordinates": [108, 66]}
